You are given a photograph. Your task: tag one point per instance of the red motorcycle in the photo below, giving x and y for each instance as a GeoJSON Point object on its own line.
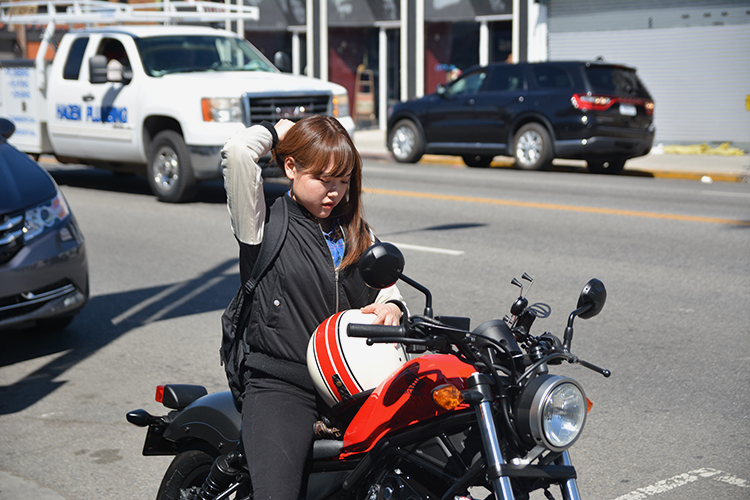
{"type": "Point", "coordinates": [473, 414]}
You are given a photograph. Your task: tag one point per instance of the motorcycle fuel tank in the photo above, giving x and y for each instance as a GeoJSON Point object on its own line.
{"type": "Point", "coordinates": [403, 399]}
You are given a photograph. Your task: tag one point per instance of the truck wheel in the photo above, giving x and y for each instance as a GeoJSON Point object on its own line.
{"type": "Point", "coordinates": [170, 174]}
{"type": "Point", "coordinates": [532, 147]}
{"type": "Point", "coordinates": [612, 167]}
{"type": "Point", "coordinates": [405, 142]}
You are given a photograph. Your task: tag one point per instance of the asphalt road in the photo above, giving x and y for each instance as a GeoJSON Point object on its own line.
{"type": "Point", "coordinates": [672, 422]}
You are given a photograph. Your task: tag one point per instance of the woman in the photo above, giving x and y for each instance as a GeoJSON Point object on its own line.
{"type": "Point", "coordinates": [314, 276]}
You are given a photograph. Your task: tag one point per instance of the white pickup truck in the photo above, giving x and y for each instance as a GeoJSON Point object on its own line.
{"type": "Point", "coordinates": [153, 99]}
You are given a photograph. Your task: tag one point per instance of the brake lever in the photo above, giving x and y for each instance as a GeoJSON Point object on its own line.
{"type": "Point", "coordinates": [595, 368]}
{"type": "Point", "coordinates": [590, 366]}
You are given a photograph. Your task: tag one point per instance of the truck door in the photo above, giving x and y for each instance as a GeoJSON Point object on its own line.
{"type": "Point", "coordinates": [109, 109]}
{"type": "Point", "coordinates": [65, 112]}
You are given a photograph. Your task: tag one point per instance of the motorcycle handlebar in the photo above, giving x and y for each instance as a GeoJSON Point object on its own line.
{"type": "Point", "coordinates": [375, 331]}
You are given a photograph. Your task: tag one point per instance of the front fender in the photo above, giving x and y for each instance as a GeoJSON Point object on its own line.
{"type": "Point", "coordinates": [212, 419]}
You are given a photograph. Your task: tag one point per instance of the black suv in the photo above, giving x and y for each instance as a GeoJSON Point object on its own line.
{"type": "Point", "coordinates": [535, 112]}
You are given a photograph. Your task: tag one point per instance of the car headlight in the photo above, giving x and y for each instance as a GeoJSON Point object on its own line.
{"type": "Point", "coordinates": [45, 216]}
{"type": "Point", "coordinates": [551, 412]}
{"type": "Point", "coordinates": [340, 105]}
{"type": "Point", "coordinates": [221, 109]}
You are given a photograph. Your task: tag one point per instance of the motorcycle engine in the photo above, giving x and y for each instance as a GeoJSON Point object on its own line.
{"type": "Point", "coordinates": [397, 486]}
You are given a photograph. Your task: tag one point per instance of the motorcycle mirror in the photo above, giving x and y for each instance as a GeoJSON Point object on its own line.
{"type": "Point", "coordinates": [381, 265]}
{"type": "Point", "coordinates": [593, 295]}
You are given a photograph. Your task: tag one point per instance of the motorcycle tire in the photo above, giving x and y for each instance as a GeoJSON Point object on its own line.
{"type": "Point", "coordinates": [189, 468]}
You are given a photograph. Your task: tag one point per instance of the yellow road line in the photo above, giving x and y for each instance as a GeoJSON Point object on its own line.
{"type": "Point", "coordinates": [554, 206]}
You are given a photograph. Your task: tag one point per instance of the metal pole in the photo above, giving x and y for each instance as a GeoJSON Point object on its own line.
{"type": "Point", "coordinates": [295, 54]}
{"type": "Point", "coordinates": [382, 79]}
{"type": "Point", "coordinates": [484, 43]}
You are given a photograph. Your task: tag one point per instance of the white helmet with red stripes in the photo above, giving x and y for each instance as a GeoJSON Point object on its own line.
{"type": "Point", "coordinates": [343, 366]}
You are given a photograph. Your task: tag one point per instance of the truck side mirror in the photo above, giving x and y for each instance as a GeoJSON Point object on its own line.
{"type": "Point", "coordinates": [282, 61]}
{"type": "Point", "coordinates": [98, 69]}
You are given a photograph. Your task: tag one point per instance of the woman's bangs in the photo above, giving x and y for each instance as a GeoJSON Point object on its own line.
{"type": "Point", "coordinates": [344, 162]}
{"type": "Point", "coordinates": [333, 160]}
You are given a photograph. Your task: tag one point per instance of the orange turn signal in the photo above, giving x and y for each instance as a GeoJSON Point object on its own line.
{"type": "Point", "coordinates": [589, 405]}
{"type": "Point", "coordinates": [207, 109]}
{"type": "Point", "coordinates": [447, 396]}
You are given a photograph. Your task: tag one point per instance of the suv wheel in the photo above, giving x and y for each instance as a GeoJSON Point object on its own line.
{"type": "Point", "coordinates": [480, 161]}
{"type": "Point", "coordinates": [405, 142]}
{"type": "Point", "coordinates": [532, 147]}
{"type": "Point", "coordinates": [613, 166]}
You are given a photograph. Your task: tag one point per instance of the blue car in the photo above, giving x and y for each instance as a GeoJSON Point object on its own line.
{"type": "Point", "coordinates": [43, 267]}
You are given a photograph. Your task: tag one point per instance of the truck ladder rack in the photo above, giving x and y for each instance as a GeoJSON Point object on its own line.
{"type": "Point", "coordinates": [72, 12]}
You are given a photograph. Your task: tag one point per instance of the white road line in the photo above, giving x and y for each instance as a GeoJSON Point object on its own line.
{"type": "Point", "coordinates": [429, 249]}
{"type": "Point", "coordinates": [682, 480]}
{"type": "Point", "coordinates": [725, 193]}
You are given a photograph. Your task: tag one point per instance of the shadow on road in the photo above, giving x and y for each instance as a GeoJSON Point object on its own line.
{"type": "Point", "coordinates": [103, 180]}
{"type": "Point", "coordinates": [104, 319]}
{"type": "Point", "coordinates": [443, 227]}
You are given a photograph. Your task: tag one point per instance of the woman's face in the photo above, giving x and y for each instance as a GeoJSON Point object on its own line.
{"type": "Point", "coordinates": [319, 194]}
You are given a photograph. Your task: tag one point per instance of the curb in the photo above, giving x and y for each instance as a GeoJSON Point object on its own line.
{"type": "Point", "coordinates": [703, 176]}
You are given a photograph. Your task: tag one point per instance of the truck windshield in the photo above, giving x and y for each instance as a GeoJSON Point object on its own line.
{"type": "Point", "coordinates": [186, 53]}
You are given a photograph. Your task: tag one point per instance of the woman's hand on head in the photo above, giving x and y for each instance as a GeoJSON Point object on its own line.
{"type": "Point", "coordinates": [282, 127]}
{"type": "Point", "coordinates": [385, 314]}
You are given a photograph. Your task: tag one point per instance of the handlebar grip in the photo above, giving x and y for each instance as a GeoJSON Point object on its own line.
{"type": "Point", "coordinates": [374, 331]}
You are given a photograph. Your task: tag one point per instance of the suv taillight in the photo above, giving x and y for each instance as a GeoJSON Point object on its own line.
{"type": "Point", "coordinates": [588, 102]}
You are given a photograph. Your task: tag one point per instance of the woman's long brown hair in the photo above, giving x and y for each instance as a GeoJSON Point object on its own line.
{"type": "Point", "coordinates": [317, 142]}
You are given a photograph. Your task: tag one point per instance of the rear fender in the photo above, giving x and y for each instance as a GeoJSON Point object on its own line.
{"type": "Point", "coordinates": [212, 419]}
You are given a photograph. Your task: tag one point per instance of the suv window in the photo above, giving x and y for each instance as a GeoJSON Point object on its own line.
{"type": "Point", "coordinates": [468, 84]}
{"type": "Point", "coordinates": [506, 79]}
{"type": "Point", "coordinates": [610, 80]}
{"type": "Point", "coordinates": [551, 77]}
{"type": "Point", "coordinates": [75, 58]}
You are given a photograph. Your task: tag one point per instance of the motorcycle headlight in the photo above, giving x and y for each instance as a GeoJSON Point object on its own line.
{"type": "Point", "coordinates": [45, 217]}
{"type": "Point", "coordinates": [551, 412]}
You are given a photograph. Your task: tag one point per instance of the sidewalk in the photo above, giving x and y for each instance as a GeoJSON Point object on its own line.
{"type": "Point", "coordinates": [705, 168]}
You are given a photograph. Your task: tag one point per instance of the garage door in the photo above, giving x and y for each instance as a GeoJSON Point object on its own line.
{"type": "Point", "coordinates": [699, 76]}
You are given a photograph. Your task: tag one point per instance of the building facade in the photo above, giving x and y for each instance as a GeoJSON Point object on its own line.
{"type": "Point", "coordinates": [693, 55]}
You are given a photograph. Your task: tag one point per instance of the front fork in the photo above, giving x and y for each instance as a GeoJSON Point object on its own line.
{"type": "Point", "coordinates": [494, 456]}
{"type": "Point", "coordinates": [570, 488]}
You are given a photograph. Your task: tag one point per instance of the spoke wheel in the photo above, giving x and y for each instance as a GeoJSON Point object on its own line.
{"type": "Point", "coordinates": [532, 147]}
{"type": "Point", "coordinates": [170, 174]}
